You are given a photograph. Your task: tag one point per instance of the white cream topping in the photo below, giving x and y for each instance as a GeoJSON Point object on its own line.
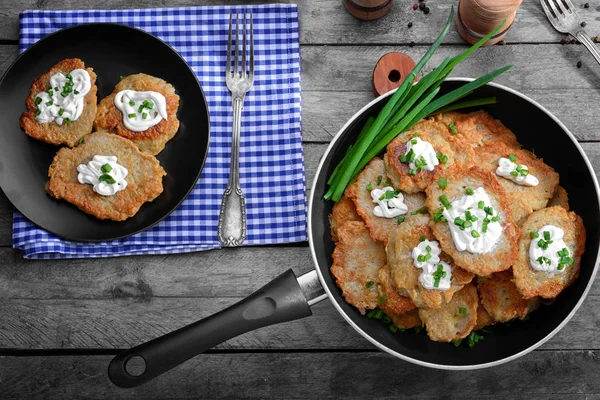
{"type": "Point", "coordinates": [426, 256]}
{"type": "Point", "coordinates": [389, 205]}
{"type": "Point", "coordinates": [141, 110]}
{"type": "Point", "coordinates": [424, 157]}
{"type": "Point", "coordinates": [517, 173]}
{"type": "Point", "coordinates": [544, 251]}
{"type": "Point", "coordinates": [475, 211]}
{"type": "Point", "coordinates": [95, 173]}
{"type": "Point", "coordinates": [65, 99]}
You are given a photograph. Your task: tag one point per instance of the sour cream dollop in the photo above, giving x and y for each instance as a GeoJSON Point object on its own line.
{"type": "Point", "coordinates": [468, 218]}
{"type": "Point", "coordinates": [65, 99]}
{"type": "Point", "coordinates": [96, 171]}
{"type": "Point", "coordinates": [548, 252]}
{"type": "Point", "coordinates": [426, 256]}
{"type": "Point", "coordinates": [141, 110]}
{"type": "Point", "coordinates": [424, 158]}
{"type": "Point", "coordinates": [388, 205]}
{"type": "Point", "coordinates": [517, 173]}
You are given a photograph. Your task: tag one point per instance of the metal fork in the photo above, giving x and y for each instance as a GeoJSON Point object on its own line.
{"type": "Point", "coordinates": [563, 18]}
{"type": "Point", "coordinates": [232, 218]}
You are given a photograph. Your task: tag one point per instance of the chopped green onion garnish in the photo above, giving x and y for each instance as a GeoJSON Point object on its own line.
{"type": "Point", "coordinates": [452, 128]}
{"type": "Point", "coordinates": [61, 111]}
{"type": "Point", "coordinates": [444, 200]}
{"type": "Point", "coordinates": [412, 172]}
{"type": "Point", "coordinates": [381, 299]}
{"type": "Point", "coordinates": [393, 328]}
{"type": "Point", "coordinates": [400, 219]}
{"type": "Point", "coordinates": [131, 103]}
{"type": "Point", "coordinates": [378, 314]}
{"type": "Point", "coordinates": [524, 172]}
{"type": "Point", "coordinates": [379, 179]}
{"type": "Point", "coordinates": [462, 311]}
{"type": "Point", "coordinates": [414, 141]}
{"type": "Point", "coordinates": [443, 182]}
{"type": "Point", "coordinates": [49, 103]}
{"type": "Point", "coordinates": [131, 115]}
{"type": "Point", "coordinates": [496, 218]}
{"type": "Point", "coordinates": [80, 140]}
{"type": "Point", "coordinates": [421, 258]}
{"type": "Point", "coordinates": [107, 178]}
{"type": "Point", "coordinates": [534, 235]}
{"type": "Point", "coordinates": [50, 93]}
{"type": "Point", "coordinates": [38, 111]}
{"type": "Point", "coordinates": [369, 186]}
{"type": "Point", "coordinates": [428, 248]}
{"type": "Point", "coordinates": [68, 121]}
{"type": "Point", "coordinates": [480, 205]}
{"type": "Point", "coordinates": [457, 343]}
{"type": "Point", "coordinates": [386, 319]}
{"type": "Point", "coordinates": [475, 234]}
{"type": "Point", "coordinates": [69, 77]}
{"type": "Point", "coordinates": [106, 168]}
{"type": "Point", "coordinates": [512, 157]}
{"type": "Point", "coordinates": [422, 239]}
{"type": "Point", "coordinates": [470, 191]}
{"type": "Point", "coordinates": [38, 100]}
{"type": "Point", "coordinates": [76, 91]}
{"type": "Point", "coordinates": [121, 77]}
{"type": "Point", "coordinates": [514, 173]}
{"type": "Point", "coordinates": [141, 108]}
{"type": "Point", "coordinates": [369, 284]}
{"type": "Point", "coordinates": [422, 210]}
{"type": "Point", "coordinates": [546, 235]}
{"type": "Point", "coordinates": [438, 215]}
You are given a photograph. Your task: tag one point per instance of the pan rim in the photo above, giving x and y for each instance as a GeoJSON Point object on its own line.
{"type": "Point", "coordinates": [386, 349]}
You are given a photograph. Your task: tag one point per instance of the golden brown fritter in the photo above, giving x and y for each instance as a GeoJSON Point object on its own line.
{"type": "Point", "coordinates": [531, 282]}
{"type": "Point", "coordinates": [144, 180]}
{"type": "Point", "coordinates": [342, 212]}
{"type": "Point", "coordinates": [501, 298]}
{"type": "Point", "coordinates": [379, 227]}
{"type": "Point", "coordinates": [560, 198]}
{"type": "Point", "coordinates": [459, 153]}
{"type": "Point", "coordinates": [483, 318]}
{"type": "Point", "coordinates": [153, 139]}
{"type": "Point", "coordinates": [535, 196]}
{"type": "Point", "coordinates": [454, 320]}
{"type": "Point", "coordinates": [505, 251]}
{"type": "Point", "coordinates": [394, 303]}
{"type": "Point", "coordinates": [357, 259]}
{"type": "Point", "coordinates": [407, 320]}
{"type": "Point", "coordinates": [478, 128]}
{"type": "Point", "coordinates": [51, 132]}
{"type": "Point", "coordinates": [406, 276]}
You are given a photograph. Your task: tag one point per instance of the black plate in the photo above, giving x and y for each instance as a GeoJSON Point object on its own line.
{"type": "Point", "coordinates": [112, 51]}
{"type": "Point", "coordinates": [537, 130]}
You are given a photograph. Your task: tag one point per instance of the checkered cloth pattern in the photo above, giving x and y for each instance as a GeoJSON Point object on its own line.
{"type": "Point", "coordinates": [271, 159]}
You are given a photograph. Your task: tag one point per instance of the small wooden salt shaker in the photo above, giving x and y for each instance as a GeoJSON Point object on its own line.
{"type": "Point", "coordinates": [368, 10]}
{"type": "Point", "coordinates": [477, 18]}
{"type": "Point", "coordinates": [390, 71]}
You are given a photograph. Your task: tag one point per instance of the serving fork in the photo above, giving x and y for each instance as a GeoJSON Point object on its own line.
{"type": "Point", "coordinates": [231, 230]}
{"type": "Point", "coordinates": [563, 18]}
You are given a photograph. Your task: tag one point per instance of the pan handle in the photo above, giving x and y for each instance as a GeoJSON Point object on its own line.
{"type": "Point", "coordinates": [285, 298]}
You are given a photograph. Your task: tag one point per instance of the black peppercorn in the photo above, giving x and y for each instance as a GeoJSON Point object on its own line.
{"type": "Point", "coordinates": [579, 64]}
{"type": "Point", "coordinates": [426, 10]}
{"type": "Point", "coordinates": [586, 5]}
{"type": "Point", "coordinates": [422, 6]}
{"type": "Point", "coordinates": [583, 24]}
{"type": "Point", "coordinates": [410, 24]}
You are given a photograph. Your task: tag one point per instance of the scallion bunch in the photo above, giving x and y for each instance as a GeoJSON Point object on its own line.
{"type": "Point", "coordinates": [409, 104]}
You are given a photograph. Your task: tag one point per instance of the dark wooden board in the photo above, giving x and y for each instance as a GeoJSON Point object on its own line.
{"type": "Point", "coordinates": [349, 375]}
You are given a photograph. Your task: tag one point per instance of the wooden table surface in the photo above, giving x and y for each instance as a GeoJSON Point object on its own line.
{"type": "Point", "coordinates": [62, 321]}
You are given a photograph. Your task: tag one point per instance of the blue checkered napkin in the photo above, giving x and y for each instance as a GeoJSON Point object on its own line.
{"type": "Point", "coordinates": [271, 145]}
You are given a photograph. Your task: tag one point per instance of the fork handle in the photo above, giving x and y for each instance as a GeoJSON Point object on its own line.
{"type": "Point", "coordinates": [231, 230]}
{"type": "Point", "coordinates": [589, 44]}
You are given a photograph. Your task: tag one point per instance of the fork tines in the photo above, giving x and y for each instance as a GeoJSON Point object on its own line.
{"type": "Point", "coordinates": [240, 69]}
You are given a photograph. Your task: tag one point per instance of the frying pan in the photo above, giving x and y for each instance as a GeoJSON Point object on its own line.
{"type": "Point", "coordinates": [287, 297]}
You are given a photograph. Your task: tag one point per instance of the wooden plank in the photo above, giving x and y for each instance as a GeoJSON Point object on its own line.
{"type": "Point", "coordinates": [312, 155]}
{"type": "Point", "coordinates": [326, 22]}
{"type": "Point", "coordinates": [540, 375]}
{"type": "Point", "coordinates": [324, 113]}
{"type": "Point", "coordinates": [134, 316]}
